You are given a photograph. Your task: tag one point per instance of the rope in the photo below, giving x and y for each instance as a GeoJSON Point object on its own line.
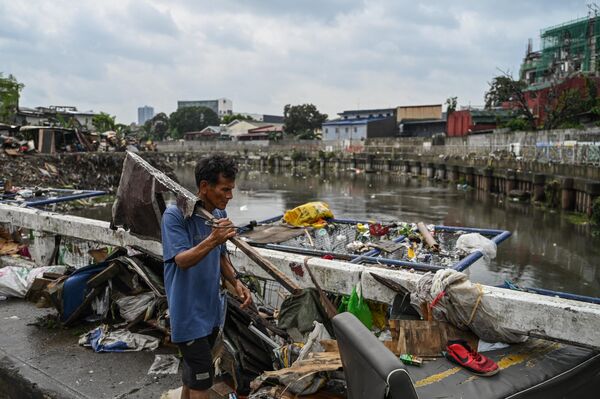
{"type": "Point", "coordinates": [476, 303]}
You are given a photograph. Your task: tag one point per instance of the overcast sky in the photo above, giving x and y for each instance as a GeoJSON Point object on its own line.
{"type": "Point", "coordinates": [115, 56]}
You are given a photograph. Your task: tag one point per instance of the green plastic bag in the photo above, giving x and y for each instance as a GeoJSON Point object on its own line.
{"type": "Point", "coordinates": [359, 308]}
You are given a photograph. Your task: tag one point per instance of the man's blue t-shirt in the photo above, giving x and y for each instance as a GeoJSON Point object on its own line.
{"type": "Point", "coordinates": [192, 293]}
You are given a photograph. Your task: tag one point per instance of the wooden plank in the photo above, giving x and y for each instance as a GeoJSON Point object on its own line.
{"type": "Point", "coordinates": [109, 272]}
{"type": "Point", "coordinates": [425, 338]}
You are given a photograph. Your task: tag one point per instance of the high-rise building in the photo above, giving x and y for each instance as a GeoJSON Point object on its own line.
{"type": "Point", "coordinates": [145, 113]}
{"type": "Point", "coordinates": [221, 106]}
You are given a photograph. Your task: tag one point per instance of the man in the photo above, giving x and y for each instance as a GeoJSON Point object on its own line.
{"type": "Point", "coordinates": [195, 258]}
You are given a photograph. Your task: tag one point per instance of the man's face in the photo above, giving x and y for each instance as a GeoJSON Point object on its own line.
{"type": "Point", "coordinates": [216, 196]}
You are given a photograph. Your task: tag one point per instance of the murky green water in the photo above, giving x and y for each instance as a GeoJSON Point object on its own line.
{"type": "Point", "coordinates": [545, 250]}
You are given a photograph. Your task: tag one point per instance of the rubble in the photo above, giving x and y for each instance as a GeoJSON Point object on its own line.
{"type": "Point", "coordinates": [99, 171]}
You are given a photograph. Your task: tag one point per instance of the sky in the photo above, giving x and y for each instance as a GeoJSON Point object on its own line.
{"type": "Point", "coordinates": [117, 55]}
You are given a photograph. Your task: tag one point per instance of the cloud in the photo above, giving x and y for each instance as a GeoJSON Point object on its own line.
{"type": "Point", "coordinates": [114, 56]}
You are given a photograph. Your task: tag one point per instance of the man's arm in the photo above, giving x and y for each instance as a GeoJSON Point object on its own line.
{"type": "Point", "coordinates": [228, 273]}
{"type": "Point", "coordinates": [218, 236]}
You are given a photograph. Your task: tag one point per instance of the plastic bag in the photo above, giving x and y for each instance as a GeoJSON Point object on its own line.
{"type": "Point", "coordinates": [13, 281]}
{"type": "Point", "coordinates": [310, 214]}
{"type": "Point", "coordinates": [359, 308]}
{"type": "Point", "coordinates": [313, 343]}
{"type": "Point", "coordinates": [16, 280]}
{"type": "Point", "coordinates": [131, 307]}
{"type": "Point", "coordinates": [472, 242]}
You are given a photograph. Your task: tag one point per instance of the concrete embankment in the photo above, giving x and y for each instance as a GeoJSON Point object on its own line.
{"type": "Point", "coordinates": [570, 187]}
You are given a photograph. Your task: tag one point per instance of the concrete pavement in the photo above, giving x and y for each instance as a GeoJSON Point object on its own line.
{"type": "Point", "coordinates": [41, 362]}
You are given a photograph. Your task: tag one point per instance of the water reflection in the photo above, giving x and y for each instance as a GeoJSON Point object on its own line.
{"type": "Point", "coordinates": [544, 251]}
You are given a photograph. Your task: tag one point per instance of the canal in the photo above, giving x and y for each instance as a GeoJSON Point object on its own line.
{"type": "Point", "coordinates": [544, 251]}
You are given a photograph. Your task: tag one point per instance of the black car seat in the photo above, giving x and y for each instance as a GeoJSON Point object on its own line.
{"type": "Point", "coordinates": [371, 370]}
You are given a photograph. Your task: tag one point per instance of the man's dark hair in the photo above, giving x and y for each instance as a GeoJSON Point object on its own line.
{"type": "Point", "coordinates": [210, 168]}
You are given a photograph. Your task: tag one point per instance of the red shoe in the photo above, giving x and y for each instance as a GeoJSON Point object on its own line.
{"type": "Point", "coordinates": [460, 352]}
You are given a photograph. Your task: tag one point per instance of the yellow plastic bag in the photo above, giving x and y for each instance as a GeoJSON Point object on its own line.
{"type": "Point", "coordinates": [310, 214]}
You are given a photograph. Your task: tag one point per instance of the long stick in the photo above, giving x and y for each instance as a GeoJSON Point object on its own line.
{"type": "Point", "coordinates": [264, 263]}
{"type": "Point", "coordinates": [191, 203]}
{"type": "Point", "coordinates": [327, 305]}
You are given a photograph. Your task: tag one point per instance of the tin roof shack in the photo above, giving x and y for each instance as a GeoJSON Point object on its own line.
{"type": "Point", "coordinates": [474, 121]}
{"type": "Point", "coordinates": [56, 115]}
{"type": "Point", "coordinates": [264, 133]}
{"type": "Point", "coordinates": [50, 140]}
{"type": "Point", "coordinates": [420, 120]}
{"type": "Point", "coordinates": [208, 133]}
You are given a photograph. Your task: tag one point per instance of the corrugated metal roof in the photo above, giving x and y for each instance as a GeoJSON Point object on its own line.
{"type": "Point", "coordinates": [361, 121]}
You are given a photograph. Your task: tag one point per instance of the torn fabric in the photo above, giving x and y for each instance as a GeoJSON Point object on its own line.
{"type": "Point", "coordinates": [139, 204]}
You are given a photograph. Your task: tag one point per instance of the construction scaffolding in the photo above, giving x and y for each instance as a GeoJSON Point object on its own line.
{"type": "Point", "coordinates": [568, 48]}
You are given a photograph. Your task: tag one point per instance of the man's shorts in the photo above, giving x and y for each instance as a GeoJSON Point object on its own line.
{"type": "Point", "coordinates": [198, 372]}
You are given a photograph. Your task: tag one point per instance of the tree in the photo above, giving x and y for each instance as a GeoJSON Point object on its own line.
{"type": "Point", "coordinates": [503, 89]}
{"type": "Point", "coordinates": [565, 106]}
{"type": "Point", "coordinates": [9, 98]}
{"type": "Point", "coordinates": [103, 122]}
{"type": "Point", "coordinates": [158, 127]}
{"type": "Point", "coordinates": [227, 119]}
{"type": "Point", "coordinates": [122, 130]}
{"type": "Point", "coordinates": [301, 121]}
{"type": "Point", "coordinates": [452, 103]}
{"type": "Point", "coordinates": [191, 119]}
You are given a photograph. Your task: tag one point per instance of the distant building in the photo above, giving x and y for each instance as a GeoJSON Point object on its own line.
{"type": "Point", "coordinates": [221, 106]}
{"type": "Point", "coordinates": [145, 113]}
{"type": "Point", "coordinates": [361, 125]}
{"type": "Point", "coordinates": [368, 113]}
{"type": "Point", "coordinates": [420, 120]}
{"type": "Point", "coordinates": [263, 117]}
{"type": "Point", "coordinates": [208, 133]}
{"type": "Point", "coordinates": [268, 132]}
{"type": "Point", "coordinates": [54, 114]}
{"type": "Point", "coordinates": [566, 49]}
{"type": "Point", "coordinates": [251, 130]}
{"type": "Point", "coordinates": [476, 121]}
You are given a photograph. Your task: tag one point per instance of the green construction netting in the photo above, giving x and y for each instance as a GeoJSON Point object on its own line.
{"type": "Point", "coordinates": [576, 41]}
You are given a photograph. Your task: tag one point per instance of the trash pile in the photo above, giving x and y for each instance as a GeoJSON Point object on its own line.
{"type": "Point", "coordinates": [312, 229]}
{"type": "Point", "coordinates": [99, 171]}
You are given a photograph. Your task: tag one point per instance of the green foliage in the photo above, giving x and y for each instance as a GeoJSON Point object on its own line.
{"type": "Point", "coordinates": [565, 106]}
{"type": "Point", "coordinates": [517, 124]}
{"type": "Point", "coordinates": [191, 119]}
{"type": "Point", "coordinates": [297, 155]}
{"type": "Point", "coordinates": [158, 127]}
{"type": "Point", "coordinates": [502, 89]}
{"type": "Point", "coordinates": [577, 218]}
{"type": "Point", "coordinates": [595, 217]}
{"type": "Point", "coordinates": [326, 155]}
{"type": "Point", "coordinates": [69, 122]}
{"type": "Point", "coordinates": [227, 119]}
{"type": "Point", "coordinates": [103, 122]}
{"type": "Point", "coordinates": [452, 103]}
{"type": "Point", "coordinates": [9, 98]}
{"type": "Point", "coordinates": [122, 130]}
{"type": "Point", "coordinates": [302, 120]}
